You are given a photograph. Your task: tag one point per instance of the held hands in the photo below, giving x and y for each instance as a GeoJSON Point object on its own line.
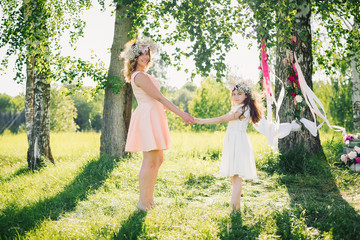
{"type": "Point", "coordinates": [188, 119]}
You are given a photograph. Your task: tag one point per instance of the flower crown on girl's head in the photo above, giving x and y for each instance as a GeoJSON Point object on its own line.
{"type": "Point", "coordinates": [136, 49]}
{"type": "Point", "coordinates": [242, 86]}
{"type": "Point", "coordinates": [238, 83]}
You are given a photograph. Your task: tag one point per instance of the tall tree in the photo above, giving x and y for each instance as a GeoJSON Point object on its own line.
{"type": "Point", "coordinates": [31, 30]}
{"type": "Point", "coordinates": [118, 94]}
{"type": "Point", "coordinates": [303, 50]}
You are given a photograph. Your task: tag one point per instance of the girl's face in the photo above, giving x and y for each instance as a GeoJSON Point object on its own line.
{"type": "Point", "coordinates": [238, 97]}
{"type": "Point", "coordinates": [144, 59]}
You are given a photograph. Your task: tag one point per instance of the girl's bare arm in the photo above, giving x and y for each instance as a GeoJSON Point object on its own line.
{"type": "Point", "coordinates": [224, 118]}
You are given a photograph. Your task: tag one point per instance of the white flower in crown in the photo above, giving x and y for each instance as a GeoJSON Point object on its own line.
{"type": "Point", "coordinates": [236, 82]}
{"type": "Point", "coordinates": [136, 49]}
{"type": "Point", "coordinates": [242, 86]}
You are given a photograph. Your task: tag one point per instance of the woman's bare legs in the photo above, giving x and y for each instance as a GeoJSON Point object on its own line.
{"type": "Point", "coordinates": [147, 177]}
{"type": "Point", "coordinates": [236, 192]}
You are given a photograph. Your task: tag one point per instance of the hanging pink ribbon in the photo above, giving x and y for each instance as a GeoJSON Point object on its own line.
{"type": "Point", "coordinates": [297, 77]}
{"type": "Point", "coordinates": [265, 70]}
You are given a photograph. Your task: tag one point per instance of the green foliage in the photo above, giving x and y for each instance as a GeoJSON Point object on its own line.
{"type": "Point", "coordinates": [206, 25]}
{"type": "Point", "coordinates": [5, 104]}
{"type": "Point", "coordinates": [12, 114]}
{"type": "Point", "coordinates": [32, 31]}
{"type": "Point", "coordinates": [339, 23]}
{"type": "Point", "coordinates": [181, 98]}
{"type": "Point", "coordinates": [71, 70]}
{"type": "Point", "coordinates": [184, 95]}
{"type": "Point", "coordinates": [212, 99]}
{"type": "Point", "coordinates": [17, 103]}
{"type": "Point", "coordinates": [62, 111]}
{"type": "Point", "coordinates": [89, 109]}
{"type": "Point", "coordinates": [336, 98]}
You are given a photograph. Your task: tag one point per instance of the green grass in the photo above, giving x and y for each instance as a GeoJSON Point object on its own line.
{"type": "Point", "coordinates": [84, 196]}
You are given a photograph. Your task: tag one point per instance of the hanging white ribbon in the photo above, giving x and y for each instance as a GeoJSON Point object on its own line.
{"type": "Point", "coordinates": [274, 131]}
{"type": "Point", "coordinates": [313, 101]}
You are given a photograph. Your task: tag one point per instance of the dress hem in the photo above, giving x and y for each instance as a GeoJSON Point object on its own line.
{"type": "Point", "coordinates": [240, 176]}
{"type": "Point", "coordinates": [153, 149]}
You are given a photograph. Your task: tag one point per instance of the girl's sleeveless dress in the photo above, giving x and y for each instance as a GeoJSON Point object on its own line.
{"type": "Point", "coordinates": [148, 128]}
{"type": "Point", "coordinates": [238, 156]}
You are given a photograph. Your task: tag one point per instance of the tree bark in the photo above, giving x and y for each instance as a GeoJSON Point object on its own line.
{"type": "Point", "coordinates": [37, 99]}
{"type": "Point", "coordinates": [355, 84]}
{"type": "Point", "coordinates": [39, 146]}
{"type": "Point", "coordinates": [302, 31]}
{"type": "Point", "coordinates": [117, 106]}
{"type": "Point", "coordinates": [29, 99]}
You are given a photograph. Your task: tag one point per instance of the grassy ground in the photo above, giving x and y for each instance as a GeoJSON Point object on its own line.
{"type": "Point", "coordinates": [87, 197]}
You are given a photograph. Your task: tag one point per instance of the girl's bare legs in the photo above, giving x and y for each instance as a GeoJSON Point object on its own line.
{"type": "Point", "coordinates": [236, 193]}
{"type": "Point", "coordinates": [147, 177]}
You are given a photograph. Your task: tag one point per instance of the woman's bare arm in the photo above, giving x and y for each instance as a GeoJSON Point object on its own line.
{"type": "Point", "coordinates": [145, 83]}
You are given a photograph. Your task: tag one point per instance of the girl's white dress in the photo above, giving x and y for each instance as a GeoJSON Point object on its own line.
{"type": "Point", "coordinates": [238, 156]}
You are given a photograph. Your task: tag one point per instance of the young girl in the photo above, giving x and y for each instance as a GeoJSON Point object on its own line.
{"type": "Point", "coordinates": [237, 159]}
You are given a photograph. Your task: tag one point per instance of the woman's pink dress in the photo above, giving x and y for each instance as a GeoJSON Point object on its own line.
{"type": "Point", "coordinates": [148, 128]}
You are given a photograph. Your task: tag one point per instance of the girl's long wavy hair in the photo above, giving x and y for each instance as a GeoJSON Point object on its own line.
{"type": "Point", "coordinates": [130, 65]}
{"type": "Point", "coordinates": [254, 102]}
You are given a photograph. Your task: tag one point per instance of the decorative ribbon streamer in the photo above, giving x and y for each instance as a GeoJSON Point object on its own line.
{"type": "Point", "coordinates": [312, 100]}
{"type": "Point", "coordinates": [265, 69]}
{"type": "Point", "coordinates": [274, 131]}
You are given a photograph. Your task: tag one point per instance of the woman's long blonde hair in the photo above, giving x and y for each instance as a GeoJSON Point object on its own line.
{"type": "Point", "coordinates": [130, 65]}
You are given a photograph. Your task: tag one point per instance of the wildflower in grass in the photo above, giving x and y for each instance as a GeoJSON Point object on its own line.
{"type": "Point", "coordinates": [344, 158]}
{"type": "Point", "coordinates": [357, 149]}
{"type": "Point", "coordinates": [348, 138]}
{"type": "Point", "coordinates": [353, 155]}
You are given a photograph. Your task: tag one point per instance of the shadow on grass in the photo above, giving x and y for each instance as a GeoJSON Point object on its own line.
{"type": "Point", "coordinates": [316, 200]}
{"type": "Point", "coordinates": [19, 172]}
{"type": "Point", "coordinates": [15, 222]}
{"type": "Point", "coordinates": [132, 227]}
{"type": "Point", "coordinates": [236, 230]}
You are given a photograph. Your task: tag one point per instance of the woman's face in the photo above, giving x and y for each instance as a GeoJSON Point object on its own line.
{"type": "Point", "coordinates": [238, 97]}
{"type": "Point", "coordinates": [144, 59]}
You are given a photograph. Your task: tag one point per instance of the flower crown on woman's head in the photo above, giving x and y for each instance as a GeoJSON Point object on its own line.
{"type": "Point", "coordinates": [136, 49]}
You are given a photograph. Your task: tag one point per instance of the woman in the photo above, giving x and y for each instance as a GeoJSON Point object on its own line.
{"type": "Point", "coordinates": [148, 130]}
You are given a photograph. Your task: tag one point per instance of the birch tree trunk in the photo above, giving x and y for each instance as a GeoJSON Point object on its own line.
{"type": "Point", "coordinates": [302, 31]}
{"type": "Point", "coordinates": [29, 99]}
{"type": "Point", "coordinates": [37, 99]}
{"type": "Point", "coordinates": [117, 106]}
{"type": "Point", "coordinates": [355, 68]}
{"type": "Point", "coordinates": [39, 146]}
{"type": "Point", "coordinates": [355, 95]}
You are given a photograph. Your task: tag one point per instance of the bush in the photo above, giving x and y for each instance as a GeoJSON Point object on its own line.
{"type": "Point", "coordinates": [295, 161]}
